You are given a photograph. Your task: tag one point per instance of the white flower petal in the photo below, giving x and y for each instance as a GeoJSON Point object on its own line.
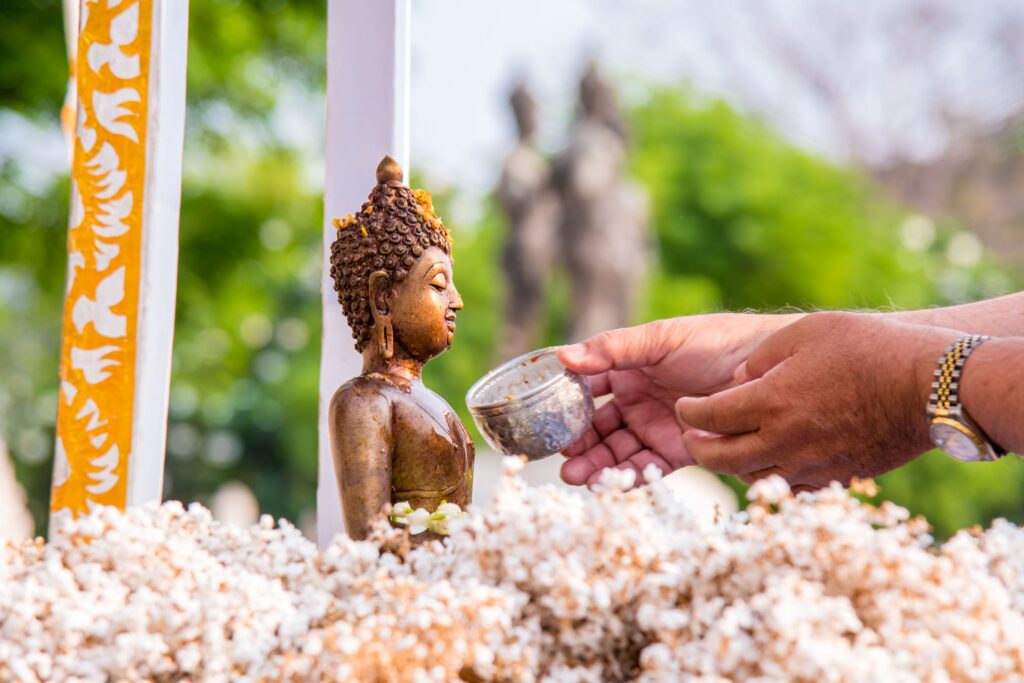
{"type": "Point", "coordinates": [449, 510]}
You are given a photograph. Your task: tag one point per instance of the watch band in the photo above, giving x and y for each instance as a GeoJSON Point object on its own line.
{"type": "Point", "coordinates": [944, 400]}
{"type": "Point", "coordinates": [946, 385]}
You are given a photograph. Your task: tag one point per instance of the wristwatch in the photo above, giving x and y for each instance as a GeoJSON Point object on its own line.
{"type": "Point", "coordinates": [951, 429]}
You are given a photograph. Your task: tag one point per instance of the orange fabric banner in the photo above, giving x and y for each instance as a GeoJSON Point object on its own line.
{"type": "Point", "coordinates": [101, 308]}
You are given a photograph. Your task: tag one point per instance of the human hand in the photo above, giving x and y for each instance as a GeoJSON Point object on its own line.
{"type": "Point", "coordinates": [830, 397]}
{"type": "Point", "coordinates": [647, 369]}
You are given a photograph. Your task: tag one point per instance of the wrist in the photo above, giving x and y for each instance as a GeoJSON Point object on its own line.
{"type": "Point", "coordinates": [780, 320]}
{"type": "Point", "coordinates": [932, 317]}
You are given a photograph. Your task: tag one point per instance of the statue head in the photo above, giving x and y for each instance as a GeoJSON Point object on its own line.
{"type": "Point", "coordinates": [392, 270]}
{"type": "Point", "coordinates": [524, 108]}
{"type": "Point", "coordinates": [598, 102]}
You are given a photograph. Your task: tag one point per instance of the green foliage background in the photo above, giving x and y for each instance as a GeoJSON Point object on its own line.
{"type": "Point", "coordinates": [743, 220]}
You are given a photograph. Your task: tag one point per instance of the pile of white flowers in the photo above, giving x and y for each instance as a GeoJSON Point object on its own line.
{"type": "Point", "coordinates": [545, 586]}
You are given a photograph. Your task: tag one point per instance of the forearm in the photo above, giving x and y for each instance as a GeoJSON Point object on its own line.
{"type": "Point", "coordinates": [992, 391]}
{"type": "Point", "coordinates": [1000, 317]}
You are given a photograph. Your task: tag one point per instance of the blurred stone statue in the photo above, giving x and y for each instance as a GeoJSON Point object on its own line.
{"type": "Point", "coordinates": [604, 235]}
{"type": "Point", "coordinates": [531, 206]}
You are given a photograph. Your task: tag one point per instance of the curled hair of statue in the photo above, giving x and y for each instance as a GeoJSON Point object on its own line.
{"type": "Point", "coordinates": [391, 230]}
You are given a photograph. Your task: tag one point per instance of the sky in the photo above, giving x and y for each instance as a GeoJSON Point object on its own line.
{"type": "Point", "coordinates": [876, 80]}
{"type": "Point", "coordinates": [466, 57]}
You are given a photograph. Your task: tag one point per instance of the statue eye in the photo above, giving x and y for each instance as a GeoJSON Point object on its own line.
{"type": "Point", "coordinates": [440, 282]}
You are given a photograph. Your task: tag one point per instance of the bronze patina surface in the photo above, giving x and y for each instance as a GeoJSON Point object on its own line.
{"type": "Point", "coordinates": [393, 439]}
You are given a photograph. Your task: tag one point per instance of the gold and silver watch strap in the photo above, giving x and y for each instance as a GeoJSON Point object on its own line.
{"type": "Point", "coordinates": [944, 402]}
{"type": "Point", "coordinates": [945, 394]}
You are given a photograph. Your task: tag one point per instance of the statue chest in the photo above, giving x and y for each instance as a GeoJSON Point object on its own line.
{"type": "Point", "coordinates": [433, 456]}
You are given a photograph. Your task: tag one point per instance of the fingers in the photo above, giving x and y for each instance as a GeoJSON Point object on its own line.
{"type": "Point", "coordinates": [600, 384]}
{"type": "Point", "coordinates": [589, 439]}
{"type": "Point", "coordinates": [801, 475]}
{"type": "Point", "coordinates": [621, 449]}
{"type": "Point", "coordinates": [615, 449]}
{"type": "Point", "coordinates": [736, 455]}
{"type": "Point", "coordinates": [794, 488]}
{"type": "Point", "coordinates": [579, 470]}
{"type": "Point", "coordinates": [740, 374]}
{"type": "Point", "coordinates": [623, 349]}
{"type": "Point", "coordinates": [758, 475]}
{"type": "Point", "coordinates": [769, 353]}
{"type": "Point", "coordinates": [638, 463]}
{"type": "Point", "coordinates": [733, 411]}
{"type": "Point", "coordinates": [606, 420]}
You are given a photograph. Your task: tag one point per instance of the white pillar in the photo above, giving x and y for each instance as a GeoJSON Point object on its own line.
{"type": "Point", "coordinates": [128, 124]}
{"type": "Point", "coordinates": [367, 117]}
{"type": "Point", "coordinates": [159, 282]}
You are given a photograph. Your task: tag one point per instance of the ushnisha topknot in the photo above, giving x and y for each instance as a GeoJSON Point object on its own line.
{"type": "Point", "coordinates": [388, 169]}
{"type": "Point", "coordinates": [391, 230]}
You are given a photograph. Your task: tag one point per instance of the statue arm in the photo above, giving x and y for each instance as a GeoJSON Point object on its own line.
{"type": "Point", "coordinates": [361, 441]}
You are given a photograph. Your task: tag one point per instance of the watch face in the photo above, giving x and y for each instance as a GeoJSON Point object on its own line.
{"type": "Point", "coordinates": [954, 442]}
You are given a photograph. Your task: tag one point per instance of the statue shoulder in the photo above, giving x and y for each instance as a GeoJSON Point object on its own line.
{"type": "Point", "coordinates": [361, 395]}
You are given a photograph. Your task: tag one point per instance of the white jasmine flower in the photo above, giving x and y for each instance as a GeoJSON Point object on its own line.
{"type": "Point", "coordinates": [448, 511]}
{"type": "Point", "coordinates": [418, 520]}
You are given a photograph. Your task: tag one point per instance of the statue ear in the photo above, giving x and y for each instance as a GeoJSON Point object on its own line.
{"type": "Point", "coordinates": [380, 294]}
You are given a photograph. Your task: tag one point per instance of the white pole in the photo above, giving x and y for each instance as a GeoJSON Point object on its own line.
{"type": "Point", "coordinates": [129, 111]}
{"type": "Point", "coordinates": [368, 59]}
{"type": "Point", "coordinates": [159, 282]}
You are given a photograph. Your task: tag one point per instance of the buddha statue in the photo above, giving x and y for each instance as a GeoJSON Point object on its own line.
{"type": "Point", "coordinates": [393, 439]}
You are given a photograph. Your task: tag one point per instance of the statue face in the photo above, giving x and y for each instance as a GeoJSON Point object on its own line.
{"type": "Point", "coordinates": [423, 307]}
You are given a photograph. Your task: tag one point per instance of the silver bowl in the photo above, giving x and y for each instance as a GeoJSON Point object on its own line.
{"type": "Point", "coordinates": [532, 405]}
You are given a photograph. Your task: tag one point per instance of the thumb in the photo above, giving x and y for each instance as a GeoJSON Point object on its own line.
{"type": "Point", "coordinates": [740, 375]}
{"type": "Point", "coordinates": [769, 353]}
{"type": "Point", "coordinates": [623, 349]}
